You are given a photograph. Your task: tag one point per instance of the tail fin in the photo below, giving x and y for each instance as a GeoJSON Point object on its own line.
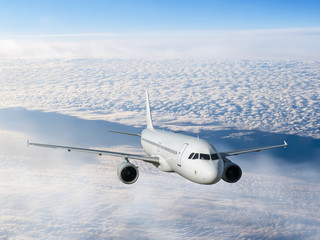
{"type": "Point", "coordinates": [149, 117]}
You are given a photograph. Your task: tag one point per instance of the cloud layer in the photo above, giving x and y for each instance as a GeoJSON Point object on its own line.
{"type": "Point", "coordinates": [270, 95]}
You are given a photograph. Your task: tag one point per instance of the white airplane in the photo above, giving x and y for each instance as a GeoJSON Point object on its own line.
{"type": "Point", "coordinates": [193, 158]}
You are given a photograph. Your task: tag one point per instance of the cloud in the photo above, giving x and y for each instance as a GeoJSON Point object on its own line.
{"type": "Point", "coordinates": [257, 44]}
{"type": "Point", "coordinates": [270, 95]}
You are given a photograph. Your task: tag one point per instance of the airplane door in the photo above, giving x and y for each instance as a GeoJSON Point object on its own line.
{"type": "Point", "coordinates": [180, 153]}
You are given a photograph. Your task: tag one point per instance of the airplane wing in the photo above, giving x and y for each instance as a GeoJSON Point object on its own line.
{"type": "Point", "coordinates": [100, 152]}
{"type": "Point", "coordinates": [237, 152]}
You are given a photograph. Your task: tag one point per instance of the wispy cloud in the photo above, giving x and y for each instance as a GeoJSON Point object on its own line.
{"type": "Point", "coordinates": [274, 43]}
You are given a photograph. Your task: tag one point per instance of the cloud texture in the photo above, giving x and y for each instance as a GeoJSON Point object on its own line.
{"type": "Point", "coordinates": [270, 95]}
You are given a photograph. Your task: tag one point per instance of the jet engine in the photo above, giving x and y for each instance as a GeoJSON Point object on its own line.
{"type": "Point", "coordinates": [127, 172]}
{"type": "Point", "coordinates": [232, 172]}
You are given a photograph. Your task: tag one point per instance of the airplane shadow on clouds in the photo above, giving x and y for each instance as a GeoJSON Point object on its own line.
{"type": "Point", "coordinates": [55, 128]}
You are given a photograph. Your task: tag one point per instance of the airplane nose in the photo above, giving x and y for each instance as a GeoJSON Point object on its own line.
{"type": "Point", "coordinates": [213, 172]}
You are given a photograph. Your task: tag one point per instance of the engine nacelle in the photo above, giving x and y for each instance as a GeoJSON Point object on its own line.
{"type": "Point", "coordinates": [127, 172]}
{"type": "Point", "coordinates": [232, 172]}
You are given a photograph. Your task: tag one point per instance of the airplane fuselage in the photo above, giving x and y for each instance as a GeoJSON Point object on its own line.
{"type": "Point", "coordinates": [193, 158]}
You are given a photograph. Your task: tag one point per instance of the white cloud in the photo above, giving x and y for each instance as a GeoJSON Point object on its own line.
{"type": "Point", "coordinates": [271, 95]}
{"type": "Point", "coordinates": [257, 44]}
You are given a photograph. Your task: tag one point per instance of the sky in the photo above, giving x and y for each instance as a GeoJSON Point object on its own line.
{"type": "Point", "coordinates": [159, 29]}
{"type": "Point", "coordinates": [67, 17]}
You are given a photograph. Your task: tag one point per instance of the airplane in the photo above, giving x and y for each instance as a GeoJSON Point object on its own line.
{"type": "Point", "coordinates": [191, 157]}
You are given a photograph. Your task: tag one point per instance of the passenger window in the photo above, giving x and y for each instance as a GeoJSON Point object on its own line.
{"type": "Point", "coordinates": [191, 155]}
{"type": "Point", "coordinates": [204, 156]}
{"type": "Point", "coordinates": [196, 156]}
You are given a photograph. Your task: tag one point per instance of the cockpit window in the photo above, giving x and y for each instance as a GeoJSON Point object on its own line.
{"type": "Point", "coordinates": [204, 156]}
{"type": "Point", "coordinates": [214, 156]}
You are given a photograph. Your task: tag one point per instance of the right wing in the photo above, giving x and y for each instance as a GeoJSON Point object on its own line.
{"type": "Point", "coordinates": [237, 152]}
{"type": "Point", "coordinates": [100, 152]}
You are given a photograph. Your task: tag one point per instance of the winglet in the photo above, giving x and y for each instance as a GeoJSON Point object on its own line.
{"type": "Point", "coordinates": [285, 143]}
{"type": "Point", "coordinates": [149, 117]}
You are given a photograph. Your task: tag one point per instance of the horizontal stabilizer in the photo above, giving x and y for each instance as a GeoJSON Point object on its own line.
{"type": "Point", "coordinates": [132, 134]}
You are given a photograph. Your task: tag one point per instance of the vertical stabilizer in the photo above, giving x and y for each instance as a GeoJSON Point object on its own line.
{"type": "Point", "coordinates": [149, 118]}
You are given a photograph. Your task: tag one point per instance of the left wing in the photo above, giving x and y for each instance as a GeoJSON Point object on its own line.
{"type": "Point", "coordinates": [237, 152]}
{"type": "Point", "coordinates": [100, 152]}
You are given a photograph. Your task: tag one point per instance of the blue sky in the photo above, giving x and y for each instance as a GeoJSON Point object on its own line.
{"type": "Point", "coordinates": [159, 29]}
{"type": "Point", "coordinates": [97, 16]}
